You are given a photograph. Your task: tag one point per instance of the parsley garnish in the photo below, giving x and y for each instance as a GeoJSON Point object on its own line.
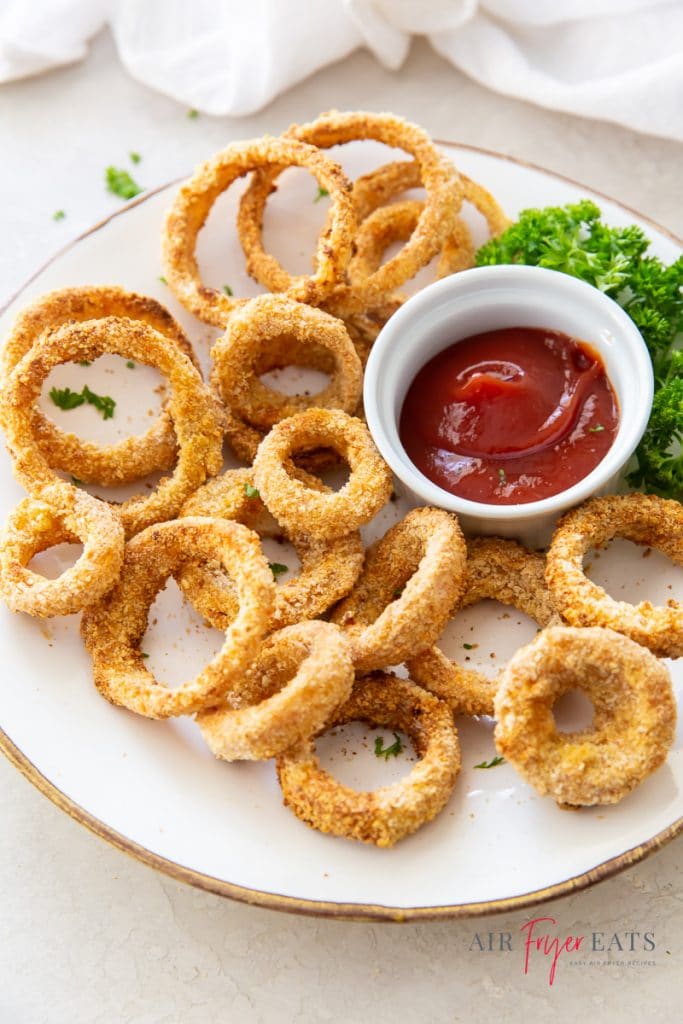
{"type": "Point", "coordinates": [251, 491]}
{"type": "Point", "coordinates": [58, 215]}
{"type": "Point", "coordinates": [227, 289]}
{"type": "Point", "coordinates": [65, 398]}
{"type": "Point", "coordinates": [85, 362]}
{"type": "Point", "coordinates": [574, 240]}
{"type": "Point", "coordinates": [75, 481]}
{"type": "Point", "coordinates": [399, 590]}
{"type": "Point", "coordinates": [468, 647]}
{"type": "Point", "coordinates": [135, 158]}
{"type": "Point", "coordinates": [143, 654]}
{"type": "Point", "coordinates": [320, 194]}
{"type": "Point", "coordinates": [193, 114]}
{"type": "Point", "coordinates": [121, 184]}
{"type": "Point", "coordinates": [277, 568]}
{"type": "Point", "coordinates": [130, 364]}
{"type": "Point", "coordinates": [386, 752]}
{"type": "Point", "coordinates": [597, 429]}
{"type": "Point", "coordinates": [163, 279]}
{"type": "Point", "coordinates": [502, 477]}
{"type": "Point", "coordinates": [493, 763]}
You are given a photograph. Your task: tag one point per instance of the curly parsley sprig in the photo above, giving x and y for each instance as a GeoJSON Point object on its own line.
{"type": "Point", "coordinates": [574, 240]}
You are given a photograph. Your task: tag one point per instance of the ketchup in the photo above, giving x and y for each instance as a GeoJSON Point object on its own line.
{"type": "Point", "coordinates": [510, 416]}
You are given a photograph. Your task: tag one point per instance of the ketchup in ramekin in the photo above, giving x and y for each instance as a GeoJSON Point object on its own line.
{"type": "Point", "coordinates": [510, 416]}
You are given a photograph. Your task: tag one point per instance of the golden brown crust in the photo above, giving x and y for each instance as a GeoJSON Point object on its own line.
{"type": "Point", "coordinates": [328, 570]}
{"type": "Point", "coordinates": [326, 516]}
{"type": "Point", "coordinates": [248, 349]}
{"type": "Point", "coordinates": [439, 177]}
{"type": "Point", "coordinates": [385, 815]}
{"type": "Point", "coordinates": [34, 526]}
{"type": "Point", "coordinates": [113, 628]}
{"type": "Point", "coordinates": [412, 578]}
{"type": "Point", "coordinates": [193, 203]}
{"type": "Point", "coordinates": [633, 723]}
{"type": "Point", "coordinates": [196, 416]}
{"type": "Point", "coordinates": [302, 675]}
{"type": "Point", "coordinates": [499, 570]}
{"type": "Point", "coordinates": [127, 460]}
{"type": "Point", "coordinates": [641, 518]}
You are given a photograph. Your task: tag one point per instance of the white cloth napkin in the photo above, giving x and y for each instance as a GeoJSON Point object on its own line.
{"type": "Point", "coordinates": [619, 60]}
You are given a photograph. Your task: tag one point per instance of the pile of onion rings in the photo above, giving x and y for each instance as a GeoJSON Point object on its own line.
{"type": "Point", "coordinates": [308, 649]}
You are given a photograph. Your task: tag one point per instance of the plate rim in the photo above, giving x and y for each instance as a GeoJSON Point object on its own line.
{"type": "Point", "coordinates": [294, 904]}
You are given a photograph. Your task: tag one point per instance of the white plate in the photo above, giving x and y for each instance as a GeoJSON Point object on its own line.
{"type": "Point", "coordinates": [154, 790]}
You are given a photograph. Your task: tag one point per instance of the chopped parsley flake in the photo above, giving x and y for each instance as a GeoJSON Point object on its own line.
{"type": "Point", "coordinates": [468, 647]}
{"type": "Point", "coordinates": [597, 429]}
{"type": "Point", "coordinates": [67, 399]}
{"type": "Point", "coordinates": [143, 654]}
{"type": "Point", "coordinates": [135, 158]}
{"type": "Point", "coordinates": [320, 194]}
{"type": "Point", "coordinates": [58, 215]}
{"type": "Point", "coordinates": [391, 751]}
{"type": "Point", "coordinates": [163, 279]}
{"type": "Point", "coordinates": [193, 114]}
{"type": "Point", "coordinates": [120, 183]}
{"type": "Point", "coordinates": [502, 477]}
{"type": "Point", "coordinates": [251, 491]}
{"type": "Point", "coordinates": [277, 568]}
{"type": "Point", "coordinates": [493, 763]}
{"type": "Point", "coordinates": [130, 364]}
{"type": "Point", "coordinates": [227, 289]}
{"type": "Point", "coordinates": [85, 362]}
{"type": "Point", "coordinates": [76, 481]}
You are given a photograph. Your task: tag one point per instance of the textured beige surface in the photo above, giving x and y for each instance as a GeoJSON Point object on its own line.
{"type": "Point", "coordinates": [88, 936]}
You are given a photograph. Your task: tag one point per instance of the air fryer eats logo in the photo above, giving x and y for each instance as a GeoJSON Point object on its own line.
{"type": "Point", "coordinates": [541, 940]}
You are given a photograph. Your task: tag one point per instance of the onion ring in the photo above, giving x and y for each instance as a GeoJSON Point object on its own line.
{"type": "Point", "coordinates": [375, 189]}
{"type": "Point", "coordinates": [246, 351]}
{"type": "Point", "coordinates": [196, 417]}
{"type": "Point", "coordinates": [325, 516]}
{"type": "Point", "coordinates": [412, 578]}
{"type": "Point", "coordinates": [304, 673]}
{"type": "Point", "coordinates": [384, 815]}
{"type": "Point", "coordinates": [642, 518]}
{"type": "Point", "coordinates": [436, 221]}
{"type": "Point", "coordinates": [113, 628]}
{"type": "Point", "coordinates": [193, 202]}
{"type": "Point", "coordinates": [328, 571]}
{"type": "Point", "coordinates": [127, 460]}
{"type": "Point", "coordinates": [396, 223]}
{"type": "Point", "coordinates": [34, 526]}
{"type": "Point", "coordinates": [633, 724]}
{"type": "Point", "coordinates": [498, 570]}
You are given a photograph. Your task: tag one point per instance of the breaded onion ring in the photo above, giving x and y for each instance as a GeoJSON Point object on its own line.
{"type": "Point", "coordinates": [396, 223]}
{"type": "Point", "coordinates": [633, 723]}
{"type": "Point", "coordinates": [34, 526]}
{"type": "Point", "coordinates": [436, 221]}
{"type": "Point", "coordinates": [246, 351]}
{"type": "Point", "coordinates": [642, 518]}
{"type": "Point", "coordinates": [498, 570]}
{"type": "Point", "coordinates": [411, 580]}
{"type": "Point", "coordinates": [193, 202]}
{"type": "Point", "coordinates": [301, 676]}
{"type": "Point", "coordinates": [385, 815]}
{"type": "Point", "coordinates": [113, 628]}
{"type": "Point", "coordinates": [328, 570]}
{"type": "Point", "coordinates": [375, 189]}
{"type": "Point", "coordinates": [323, 515]}
{"type": "Point", "coordinates": [127, 460]}
{"type": "Point", "coordinates": [196, 417]}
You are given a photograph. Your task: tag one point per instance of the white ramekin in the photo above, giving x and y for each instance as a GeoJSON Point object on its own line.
{"type": "Point", "coordinates": [485, 299]}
